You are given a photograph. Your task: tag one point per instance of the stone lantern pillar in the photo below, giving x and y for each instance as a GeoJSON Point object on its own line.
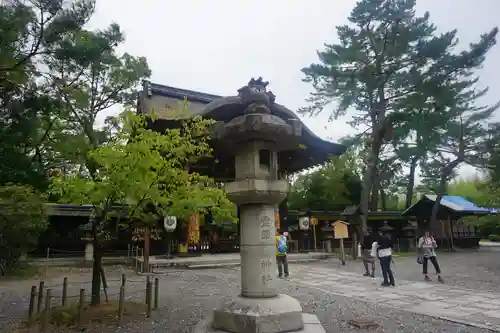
{"type": "Point", "coordinates": [256, 137]}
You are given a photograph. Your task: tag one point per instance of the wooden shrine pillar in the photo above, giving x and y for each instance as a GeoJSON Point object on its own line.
{"type": "Point", "coordinates": [147, 249]}
{"type": "Point", "coordinates": [193, 231]}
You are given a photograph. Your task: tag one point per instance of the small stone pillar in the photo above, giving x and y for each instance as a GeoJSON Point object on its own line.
{"type": "Point", "coordinates": [89, 250]}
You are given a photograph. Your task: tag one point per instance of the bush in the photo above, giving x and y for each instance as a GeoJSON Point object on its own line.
{"type": "Point", "coordinates": [494, 238]}
{"type": "Point", "coordinates": [22, 220]}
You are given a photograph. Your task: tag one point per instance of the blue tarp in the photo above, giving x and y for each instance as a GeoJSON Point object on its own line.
{"type": "Point", "coordinates": [466, 205]}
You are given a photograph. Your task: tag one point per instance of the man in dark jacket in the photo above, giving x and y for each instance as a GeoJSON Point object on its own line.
{"type": "Point", "coordinates": [366, 256]}
{"type": "Point", "coordinates": [383, 248]}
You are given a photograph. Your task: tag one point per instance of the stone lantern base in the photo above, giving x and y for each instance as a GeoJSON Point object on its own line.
{"type": "Point", "coordinates": [272, 315]}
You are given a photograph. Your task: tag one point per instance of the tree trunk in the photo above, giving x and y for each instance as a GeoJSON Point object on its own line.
{"type": "Point", "coordinates": [363, 206]}
{"type": "Point", "coordinates": [440, 193]}
{"type": "Point", "coordinates": [375, 190]}
{"type": "Point", "coordinates": [383, 199]}
{"type": "Point", "coordinates": [371, 166]}
{"type": "Point", "coordinates": [411, 182]}
{"type": "Point", "coordinates": [95, 298]}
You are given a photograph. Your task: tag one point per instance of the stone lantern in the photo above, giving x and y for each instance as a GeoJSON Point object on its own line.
{"type": "Point", "coordinates": [255, 141]}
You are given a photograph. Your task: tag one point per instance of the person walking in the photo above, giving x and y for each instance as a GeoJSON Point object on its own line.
{"type": "Point", "coordinates": [281, 255]}
{"type": "Point", "coordinates": [366, 256]}
{"type": "Point", "coordinates": [427, 245]}
{"type": "Point", "coordinates": [382, 249]}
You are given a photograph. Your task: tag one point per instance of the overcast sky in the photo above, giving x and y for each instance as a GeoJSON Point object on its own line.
{"type": "Point", "coordinates": [216, 46]}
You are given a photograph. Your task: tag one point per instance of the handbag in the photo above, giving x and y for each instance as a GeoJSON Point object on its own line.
{"type": "Point", "coordinates": [420, 259]}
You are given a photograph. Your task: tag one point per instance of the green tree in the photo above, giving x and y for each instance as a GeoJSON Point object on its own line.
{"type": "Point", "coordinates": [22, 220]}
{"type": "Point", "coordinates": [464, 139]}
{"type": "Point", "coordinates": [146, 171]}
{"type": "Point", "coordinates": [88, 76]}
{"type": "Point", "coordinates": [331, 187]}
{"type": "Point", "coordinates": [387, 55]}
{"type": "Point", "coordinates": [483, 193]}
{"type": "Point", "coordinates": [415, 137]}
{"type": "Point", "coordinates": [472, 189]}
{"type": "Point", "coordinates": [30, 30]}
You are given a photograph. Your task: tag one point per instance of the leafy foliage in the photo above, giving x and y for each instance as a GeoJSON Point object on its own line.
{"type": "Point", "coordinates": [22, 219]}
{"type": "Point", "coordinates": [331, 187]}
{"type": "Point", "coordinates": [405, 87]}
{"type": "Point", "coordinates": [30, 30]}
{"type": "Point", "coordinates": [146, 171]}
{"type": "Point", "coordinates": [139, 167]}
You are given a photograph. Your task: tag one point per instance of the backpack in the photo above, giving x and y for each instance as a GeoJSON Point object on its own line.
{"type": "Point", "coordinates": [282, 247]}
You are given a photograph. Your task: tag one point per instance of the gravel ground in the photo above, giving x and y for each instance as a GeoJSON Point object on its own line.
{"type": "Point", "coordinates": [189, 295]}
{"type": "Point", "coordinates": [471, 269]}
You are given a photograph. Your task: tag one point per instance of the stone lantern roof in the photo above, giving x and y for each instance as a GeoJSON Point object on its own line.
{"type": "Point", "coordinates": [165, 101]}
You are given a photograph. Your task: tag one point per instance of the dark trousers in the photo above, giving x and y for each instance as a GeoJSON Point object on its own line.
{"type": "Point", "coordinates": [434, 262]}
{"type": "Point", "coordinates": [385, 266]}
{"type": "Point", "coordinates": [282, 265]}
{"type": "Point", "coordinates": [213, 247]}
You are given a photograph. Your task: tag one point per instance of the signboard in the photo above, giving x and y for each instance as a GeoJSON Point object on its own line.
{"type": "Point", "coordinates": [314, 221]}
{"type": "Point", "coordinates": [303, 223]}
{"type": "Point", "coordinates": [340, 229]}
{"type": "Point", "coordinates": [170, 223]}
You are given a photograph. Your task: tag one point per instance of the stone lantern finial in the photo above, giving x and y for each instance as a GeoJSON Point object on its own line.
{"type": "Point", "coordinates": [256, 91]}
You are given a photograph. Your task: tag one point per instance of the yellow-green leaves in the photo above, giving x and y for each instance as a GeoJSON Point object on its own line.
{"type": "Point", "coordinates": [142, 168]}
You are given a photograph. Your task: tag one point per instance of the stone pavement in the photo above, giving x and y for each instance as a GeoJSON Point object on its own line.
{"type": "Point", "coordinates": [465, 306]}
{"type": "Point", "coordinates": [225, 260]}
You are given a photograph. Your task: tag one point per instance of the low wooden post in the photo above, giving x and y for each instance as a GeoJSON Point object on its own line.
{"type": "Point", "coordinates": [341, 231]}
{"type": "Point", "coordinates": [314, 237]}
{"type": "Point", "coordinates": [124, 279]}
{"type": "Point", "coordinates": [149, 297]}
{"type": "Point", "coordinates": [157, 292]}
{"type": "Point", "coordinates": [81, 304]}
{"type": "Point", "coordinates": [40, 297]}
{"type": "Point", "coordinates": [146, 250]}
{"type": "Point", "coordinates": [65, 291]}
{"type": "Point", "coordinates": [31, 308]}
{"type": "Point", "coordinates": [129, 251]}
{"type": "Point", "coordinates": [46, 315]}
{"type": "Point", "coordinates": [121, 302]}
{"type": "Point", "coordinates": [104, 284]}
{"type": "Point", "coordinates": [342, 251]}
{"type": "Point", "coordinates": [136, 257]}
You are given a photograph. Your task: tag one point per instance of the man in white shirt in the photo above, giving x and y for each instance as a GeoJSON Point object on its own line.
{"type": "Point", "coordinates": [382, 249]}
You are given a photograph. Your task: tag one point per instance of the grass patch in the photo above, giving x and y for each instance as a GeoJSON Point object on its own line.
{"type": "Point", "coordinates": [24, 271]}
{"type": "Point", "coordinates": [105, 313]}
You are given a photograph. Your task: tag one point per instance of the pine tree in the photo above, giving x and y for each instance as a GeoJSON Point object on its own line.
{"type": "Point", "coordinates": [387, 59]}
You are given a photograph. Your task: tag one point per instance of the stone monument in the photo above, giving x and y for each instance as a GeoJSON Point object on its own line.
{"type": "Point", "coordinates": [256, 137]}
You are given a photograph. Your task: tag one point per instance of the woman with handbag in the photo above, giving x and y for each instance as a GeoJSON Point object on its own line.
{"type": "Point", "coordinates": [427, 246]}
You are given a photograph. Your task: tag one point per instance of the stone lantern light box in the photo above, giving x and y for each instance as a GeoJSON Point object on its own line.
{"type": "Point", "coordinates": [255, 141]}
